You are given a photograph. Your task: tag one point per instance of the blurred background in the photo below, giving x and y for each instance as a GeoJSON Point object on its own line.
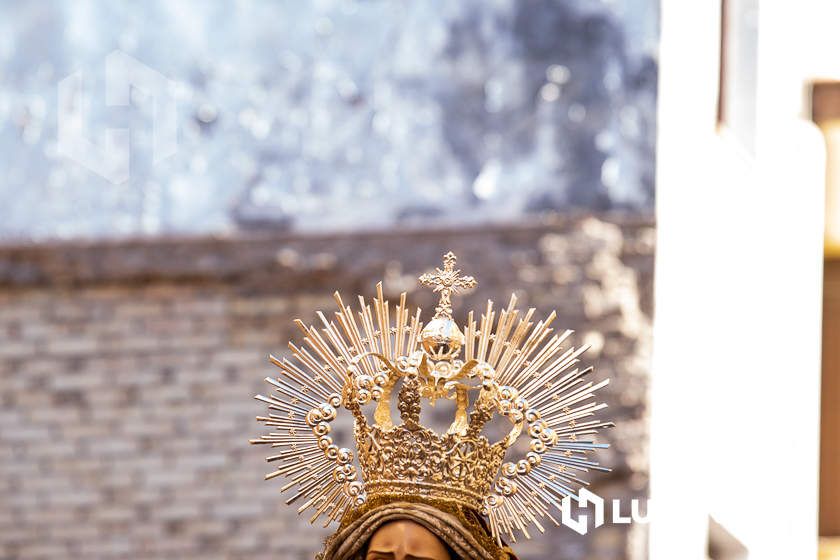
{"type": "Point", "coordinates": [180, 180]}
{"type": "Point", "coordinates": [288, 113]}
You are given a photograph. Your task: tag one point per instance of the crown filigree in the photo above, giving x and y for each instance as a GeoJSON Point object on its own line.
{"type": "Point", "coordinates": [512, 368]}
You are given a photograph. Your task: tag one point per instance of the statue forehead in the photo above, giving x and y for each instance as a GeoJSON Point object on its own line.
{"type": "Point", "coordinates": [409, 538]}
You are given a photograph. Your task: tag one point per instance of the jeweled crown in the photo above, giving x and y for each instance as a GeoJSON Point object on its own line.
{"type": "Point", "coordinates": [511, 368]}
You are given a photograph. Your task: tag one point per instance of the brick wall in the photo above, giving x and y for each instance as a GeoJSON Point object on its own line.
{"type": "Point", "coordinates": [127, 371]}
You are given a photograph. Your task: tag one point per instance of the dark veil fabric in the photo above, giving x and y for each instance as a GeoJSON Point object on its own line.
{"type": "Point", "coordinates": [462, 531]}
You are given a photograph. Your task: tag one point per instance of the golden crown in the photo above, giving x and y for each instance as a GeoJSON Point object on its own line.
{"type": "Point", "coordinates": [526, 375]}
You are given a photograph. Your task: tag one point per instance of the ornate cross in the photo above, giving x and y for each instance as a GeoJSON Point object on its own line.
{"type": "Point", "coordinates": [447, 281]}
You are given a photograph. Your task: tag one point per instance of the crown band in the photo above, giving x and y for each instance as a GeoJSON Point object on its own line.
{"type": "Point", "coordinates": [399, 488]}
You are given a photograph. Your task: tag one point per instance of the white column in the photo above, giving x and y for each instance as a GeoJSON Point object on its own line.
{"type": "Point", "coordinates": [681, 358]}
{"type": "Point", "coordinates": [735, 389]}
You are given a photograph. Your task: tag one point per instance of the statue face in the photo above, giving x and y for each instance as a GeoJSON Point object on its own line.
{"type": "Point", "coordinates": [405, 540]}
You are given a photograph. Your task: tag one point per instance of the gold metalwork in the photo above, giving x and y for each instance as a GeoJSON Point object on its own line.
{"type": "Point", "coordinates": [511, 368]}
{"type": "Point", "coordinates": [447, 281]}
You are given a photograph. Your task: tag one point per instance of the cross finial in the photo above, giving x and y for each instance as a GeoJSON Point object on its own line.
{"type": "Point", "coordinates": [447, 281]}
